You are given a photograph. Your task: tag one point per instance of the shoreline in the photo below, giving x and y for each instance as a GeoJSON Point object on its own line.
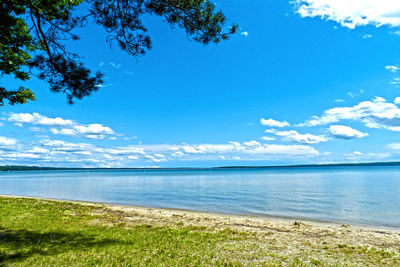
{"type": "Point", "coordinates": [38, 231]}
{"type": "Point", "coordinates": [219, 215]}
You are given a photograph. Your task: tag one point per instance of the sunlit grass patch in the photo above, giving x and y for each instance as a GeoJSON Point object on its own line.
{"type": "Point", "coordinates": [39, 232]}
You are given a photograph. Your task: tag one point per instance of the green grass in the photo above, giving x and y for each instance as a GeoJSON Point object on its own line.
{"type": "Point", "coordinates": [50, 233]}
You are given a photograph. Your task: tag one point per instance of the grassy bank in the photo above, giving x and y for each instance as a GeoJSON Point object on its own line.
{"type": "Point", "coordinates": [41, 232]}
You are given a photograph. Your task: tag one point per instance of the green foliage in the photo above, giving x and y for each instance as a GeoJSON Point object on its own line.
{"type": "Point", "coordinates": [20, 96]}
{"type": "Point", "coordinates": [32, 35]}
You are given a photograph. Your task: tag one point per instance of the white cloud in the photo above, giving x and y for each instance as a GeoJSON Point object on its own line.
{"type": "Point", "coordinates": [339, 100]}
{"type": "Point", "coordinates": [395, 81]}
{"type": "Point", "coordinates": [352, 13]}
{"type": "Point", "coordinates": [6, 141]}
{"type": "Point", "coordinates": [397, 100]}
{"type": "Point", "coordinates": [367, 36]}
{"type": "Point", "coordinates": [37, 119]}
{"type": "Point", "coordinates": [93, 129]}
{"type": "Point", "coordinates": [178, 154]}
{"type": "Point", "coordinates": [35, 129]}
{"type": "Point", "coordinates": [299, 138]}
{"type": "Point", "coordinates": [394, 146]}
{"type": "Point", "coordinates": [392, 68]}
{"type": "Point", "coordinates": [115, 65]}
{"type": "Point", "coordinates": [286, 150]}
{"type": "Point", "coordinates": [267, 138]}
{"type": "Point", "coordinates": [96, 136]}
{"type": "Point", "coordinates": [374, 114]}
{"type": "Point", "coordinates": [397, 33]}
{"type": "Point", "coordinates": [38, 150]}
{"type": "Point", "coordinates": [244, 33]}
{"type": "Point", "coordinates": [155, 158]}
{"type": "Point", "coordinates": [20, 156]}
{"type": "Point", "coordinates": [47, 152]}
{"type": "Point", "coordinates": [252, 143]}
{"type": "Point", "coordinates": [66, 131]}
{"type": "Point", "coordinates": [61, 126]}
{"type": "Point", "coordinates": [274, 123]}
{"type": "Point", "coordinates": [83, 153]}
{"type": "Point", "coordinates": [345, 132]}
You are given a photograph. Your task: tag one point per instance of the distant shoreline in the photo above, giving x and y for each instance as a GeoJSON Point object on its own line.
{"type": "Point", "coordinates": [37, 168]}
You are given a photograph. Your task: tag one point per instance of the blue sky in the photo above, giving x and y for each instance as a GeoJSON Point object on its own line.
{"type": "Point", "coordinates": [303, 82]}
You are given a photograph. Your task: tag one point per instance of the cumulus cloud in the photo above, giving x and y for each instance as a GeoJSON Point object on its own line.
{"type": "Point", "coordinates": [397, 100]}
{"type": "Point", "coordinates": [377, 113]}
{"type": "Point", "coordinates": [244, 33]}
{"type": "Point", "coordinates": [37, 119]}
{"type": "Point", "coordinates": [61, 126]}
{"type": "Point", "coordinates": [274, 123]}
{"type": "Point", "coordinates": [353, 13]}
{"type": "Point", "coordinates": [345, 132]}
{"type": "Point", "coordinates": [299, 138]}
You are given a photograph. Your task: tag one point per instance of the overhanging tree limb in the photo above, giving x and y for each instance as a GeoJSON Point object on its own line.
{"type": "Point", "coordinates": [40, 50]}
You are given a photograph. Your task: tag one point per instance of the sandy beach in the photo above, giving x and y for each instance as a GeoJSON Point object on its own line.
{"type": "Point", "coordinates": [284, 236]}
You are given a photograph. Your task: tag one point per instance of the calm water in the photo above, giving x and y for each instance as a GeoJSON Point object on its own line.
{"type": "Point", "coordinates": [363, 195]}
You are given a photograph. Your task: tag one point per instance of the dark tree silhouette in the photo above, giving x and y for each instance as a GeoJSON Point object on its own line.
{"type": "Point", "coordinates": [33, 32]}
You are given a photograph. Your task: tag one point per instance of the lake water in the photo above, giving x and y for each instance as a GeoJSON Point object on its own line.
{"type": "Point", "coordinates": [357, 195]}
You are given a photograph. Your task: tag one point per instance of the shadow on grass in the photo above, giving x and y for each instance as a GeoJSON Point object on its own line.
{"type": "Point", "coordinates": [22, 244]}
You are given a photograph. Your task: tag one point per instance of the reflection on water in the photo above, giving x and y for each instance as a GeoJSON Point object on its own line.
{"type": "Point", "coordinates": [364, 195]}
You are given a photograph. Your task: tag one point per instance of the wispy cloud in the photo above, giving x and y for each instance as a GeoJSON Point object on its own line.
{"type": "Point", "coordinates": [295, 136]}
{"type": "Point", "coordinates": [59, 152]}
{"type": "Point", "coordinates": [115, 65]}
{"type": "Point", "coordinates": [274, 123]}
{"type": "Point", "coordinates": [395, 81]}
